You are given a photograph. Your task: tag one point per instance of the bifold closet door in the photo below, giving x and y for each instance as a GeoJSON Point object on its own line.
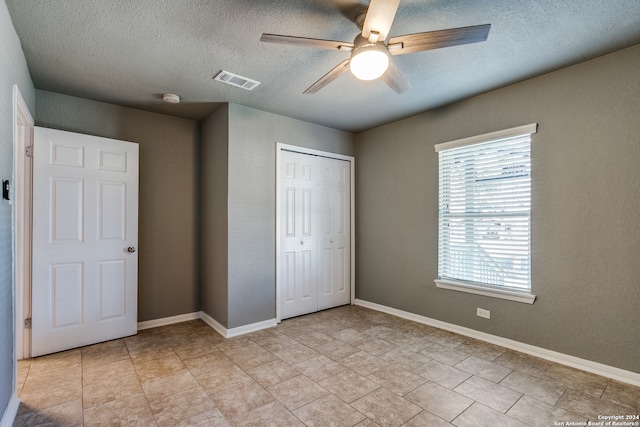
{"type": "Point", "coordinates": [334, 226]}
{"type": "Point", "coordinates": [314, 197]}
{"type": "Point", "coordinates": [299, 266]}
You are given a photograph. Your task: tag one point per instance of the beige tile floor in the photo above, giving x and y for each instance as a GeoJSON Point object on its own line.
{"type": "Point", "coordinates": [342, 367]}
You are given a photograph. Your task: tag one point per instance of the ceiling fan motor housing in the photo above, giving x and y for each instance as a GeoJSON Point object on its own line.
{"type": "Point", "coordinates": [359, 18]}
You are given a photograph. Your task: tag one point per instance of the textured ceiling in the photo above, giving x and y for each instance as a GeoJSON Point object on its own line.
{"type": "Point", "coordinates": [130, 52]}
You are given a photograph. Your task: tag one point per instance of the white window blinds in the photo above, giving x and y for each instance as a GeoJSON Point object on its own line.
{"type": "Point", "coordinates": [484, 210]}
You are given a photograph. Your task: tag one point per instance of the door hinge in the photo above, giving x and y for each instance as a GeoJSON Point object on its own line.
{"type": "Point", "coordinates": [27, 323]}
{"type": "Point", "coordinates": [29, 151]}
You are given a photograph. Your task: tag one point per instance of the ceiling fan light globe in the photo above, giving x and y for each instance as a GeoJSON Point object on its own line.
{"type": "Point", "coordinates": [369, 64]}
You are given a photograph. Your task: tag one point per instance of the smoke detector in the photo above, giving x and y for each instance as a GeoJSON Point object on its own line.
{"type": "Point", "coordinates": [171, 98]}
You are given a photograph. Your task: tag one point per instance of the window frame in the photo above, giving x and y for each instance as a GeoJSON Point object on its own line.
{"type": "Point", "coordinates": [495, 291]}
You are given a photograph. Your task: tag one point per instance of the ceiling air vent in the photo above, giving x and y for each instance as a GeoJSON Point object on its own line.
{"type": "Point", "coordinates": [236, 80]}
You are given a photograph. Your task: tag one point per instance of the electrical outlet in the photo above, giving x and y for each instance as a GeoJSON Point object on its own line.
{"type": "Point", "coordinates": [481, 312]}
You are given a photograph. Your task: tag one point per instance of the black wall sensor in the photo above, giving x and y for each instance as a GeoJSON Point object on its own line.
{"type": "Point", "coordinates": [5, 189]}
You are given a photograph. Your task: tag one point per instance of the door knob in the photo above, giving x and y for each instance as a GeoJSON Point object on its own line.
{"type": "Point", "coordinates": [131, 249]}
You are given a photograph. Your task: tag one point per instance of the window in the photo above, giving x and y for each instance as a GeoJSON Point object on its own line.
{"type": "Point", "coordinates": [485, 214]}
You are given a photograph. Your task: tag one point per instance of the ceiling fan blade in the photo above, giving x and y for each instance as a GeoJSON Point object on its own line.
{"type": "Point", "coordinates": [379, 18]}
{"type": "Point", "coordinates": [394, 78]}
{"type": "Point", "coordinates": [307, 42]}
{"type": "Point", "coordinates": [329, 77]}
{"type": "Point", "coordinates": [436, 39]}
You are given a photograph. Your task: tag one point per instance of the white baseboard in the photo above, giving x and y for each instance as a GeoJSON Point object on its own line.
{"type": "Point", "coordinates": [213, 323]}
{"type": "Point", "coordinates": [240, 330]}
{"type": "Point", "coordinates": [10, 413]}
{"type": "Point", "coordinates": [168, 320]}
{"type": "Point", "coordinates": [617, 374]}
{"type": "Point", "coordinates": [253, 327]}
{"type": "Point", "coordinates": [227, 333]}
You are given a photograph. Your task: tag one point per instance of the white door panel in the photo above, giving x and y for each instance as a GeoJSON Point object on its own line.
{"type": "Point", "coordinates": [335, 255]}
{"type": "Point", "coordinates": [85, 204]}
{"type": "Point", "coordinates": [298, 240]}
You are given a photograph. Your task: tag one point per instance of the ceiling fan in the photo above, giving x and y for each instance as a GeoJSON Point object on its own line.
{"type": "Point", "coordinates": [370, 55]}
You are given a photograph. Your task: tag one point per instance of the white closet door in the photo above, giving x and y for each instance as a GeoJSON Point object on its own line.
{"type": "Point", "coordinates": [334, 266]}
{"type": "Point", "coordinates": [85, 231]}
{"type": "Point", "coordinates": [314, 269]}
{"type": "Point", "coordinates": [298, 204]}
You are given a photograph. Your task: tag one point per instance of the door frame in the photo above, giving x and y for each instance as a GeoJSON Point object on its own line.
{"type": "Point", "coordinates": [280, 147]}
{"type": "Point", "coordinates": [22, 220]}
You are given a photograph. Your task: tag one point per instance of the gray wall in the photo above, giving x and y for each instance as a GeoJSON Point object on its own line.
{"type": "Point", "coordinates": [214, 219]}
{"type": "Point", "coordinates": [251, 145]}
{"type": "Point", "coordinates": [168, 210]}
{"type": "Point", "coordinates": [585, 214]}
{"type": "Point", "coordinates": [13, 70]}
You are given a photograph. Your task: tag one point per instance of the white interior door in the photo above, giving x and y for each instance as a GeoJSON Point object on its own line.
{"type": "Point", "coordinates": [85, 231]}
{"type": "Point", "coordinates": [314, 270]}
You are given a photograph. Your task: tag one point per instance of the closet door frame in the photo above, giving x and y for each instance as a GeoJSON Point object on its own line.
{"type": "Point", "coordinates": [280, 147]}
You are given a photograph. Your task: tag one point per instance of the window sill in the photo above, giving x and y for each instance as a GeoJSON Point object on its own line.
{"type": "Point", "coordinates": [523, 297]}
